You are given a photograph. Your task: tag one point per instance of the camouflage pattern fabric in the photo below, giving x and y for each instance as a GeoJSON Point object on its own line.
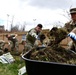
{"type": "Point", "coordinates": [13, 42]}
{"type": "Point", "coordinates": [14, 46]}
{"type": "Point", "coordinates": [2, 43]}
{"type": "Point", "coordinates": [31, 39]}
{"type": "Point", "coordinates": [27, 47]}
{"type": "Point", "coordinates": [32, 36]}
{"type": "Point", "coordinates": [69, 27]}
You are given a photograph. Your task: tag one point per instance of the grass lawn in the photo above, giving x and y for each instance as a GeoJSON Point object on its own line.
{"type": "Point", "coordinates": [12, 69]}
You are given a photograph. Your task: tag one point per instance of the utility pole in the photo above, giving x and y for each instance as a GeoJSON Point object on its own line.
{"type": "Point", "coordinates": [12, 22]}
{"type": "Point", "coordinates": [7, 20]}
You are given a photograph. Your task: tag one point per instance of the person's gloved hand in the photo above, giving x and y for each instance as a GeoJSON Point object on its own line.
{"type": "Point", "coordinates": [72, 35]}
{"type": "Point", "coordinates": [14, 37]}
{"type": "Point", "coordinates": [34, 35]}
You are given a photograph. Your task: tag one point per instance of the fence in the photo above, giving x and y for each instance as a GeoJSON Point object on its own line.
{"type": "Point", "coordinates": [20, 36]}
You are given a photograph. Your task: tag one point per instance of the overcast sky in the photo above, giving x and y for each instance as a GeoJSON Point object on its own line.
{"type": "Point", "coordinates": [32, 12]}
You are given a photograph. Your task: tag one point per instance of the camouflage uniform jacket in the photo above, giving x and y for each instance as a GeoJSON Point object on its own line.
{"type": "Point", "coordinates": [70, 26]}
{"type": "Point", "coordinates": [31, 36]}
{"type": "Point", "coordinates": [12, 38]}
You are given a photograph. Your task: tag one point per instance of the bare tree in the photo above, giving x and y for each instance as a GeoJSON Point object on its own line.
{"type": "Point", "coordinates": [15, 28]}
{"type": "Point", "coordinates": [23, 27]}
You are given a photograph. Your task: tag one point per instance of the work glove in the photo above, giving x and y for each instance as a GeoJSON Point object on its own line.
{"type": "Point", "coordinates": [72, 36]}
{"type": "Point", "coordinates": [34, 35]}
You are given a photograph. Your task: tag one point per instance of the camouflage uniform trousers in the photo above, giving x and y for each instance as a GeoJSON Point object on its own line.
{"type": "Point", "coordinates": [27, 47]}
{"type": "Point", "coordinates": [14, 46]}
{"type": "Point", "coordinates": [2, 44]}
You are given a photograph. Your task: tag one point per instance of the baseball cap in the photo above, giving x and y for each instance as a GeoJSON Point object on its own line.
{"type": "Point", "coordinates": [72, 10]}
{"type": "Point", "coordinates": [40, 25]}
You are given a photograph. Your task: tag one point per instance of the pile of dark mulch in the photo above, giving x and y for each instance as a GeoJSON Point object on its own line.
{"type": "Point", "coordinates": [59, 55]}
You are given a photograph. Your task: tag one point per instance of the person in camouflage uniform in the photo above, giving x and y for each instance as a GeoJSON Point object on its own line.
{"type": "Point", "coordinates": [2, 44]}
{"type": "Point", "coordinates": [13, 41]}
{"type": "Point", "coordinates": [71, 26]}
{"type": "Point", "coordinates": [33, 38]}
